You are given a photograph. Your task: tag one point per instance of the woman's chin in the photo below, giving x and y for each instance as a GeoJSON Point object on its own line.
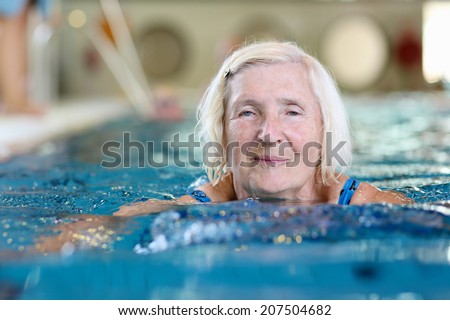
{"type": "Point", "coordinates": [267, 190]}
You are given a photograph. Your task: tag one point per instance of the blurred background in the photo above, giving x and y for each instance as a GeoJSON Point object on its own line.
{"type": "Point", "coordinates": [369, 45]}
{"type": "Point", "coordinates": [372, 47]}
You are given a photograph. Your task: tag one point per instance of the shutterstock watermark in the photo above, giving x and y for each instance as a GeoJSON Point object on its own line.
{"type": "Point", "coordinates": [183, 153]}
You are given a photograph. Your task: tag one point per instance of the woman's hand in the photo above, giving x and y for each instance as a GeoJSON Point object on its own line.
{"type": "Point", "coordinates": [85, 231]}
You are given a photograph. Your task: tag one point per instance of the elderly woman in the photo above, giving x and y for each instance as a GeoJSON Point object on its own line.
{"type": "Point", "coordinates": [283, 133]}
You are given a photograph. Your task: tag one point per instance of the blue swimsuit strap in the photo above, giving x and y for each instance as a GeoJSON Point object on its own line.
{"type": "Point", "coordinates": [345, 197]}
{"type": "Point", "coordinates": [199, 195]}
{"type": "Point", "coordinates": [348, 190]}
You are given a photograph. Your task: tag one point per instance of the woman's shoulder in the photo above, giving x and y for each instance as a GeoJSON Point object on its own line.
{"type": "Point", "coordinates": [220, 192]}
{"type": "Point", "coordinates": [368, 193]}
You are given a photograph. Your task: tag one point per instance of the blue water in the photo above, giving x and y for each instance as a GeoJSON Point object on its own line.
{"type": "Point", "coordinates": [237, 250]}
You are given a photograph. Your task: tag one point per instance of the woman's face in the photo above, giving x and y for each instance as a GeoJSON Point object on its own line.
{"type": "Point", "coordinates": [273, 131]}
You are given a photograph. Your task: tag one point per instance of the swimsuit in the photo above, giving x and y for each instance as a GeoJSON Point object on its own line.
{"type": "Point", "coordinates": [348, 190]}
{"type": "Point", "coordinates": [345, 197]}
{"type": "Point", "coordinates": [199, 195]}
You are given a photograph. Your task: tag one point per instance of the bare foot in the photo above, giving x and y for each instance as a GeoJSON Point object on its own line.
{"type": "Point", "coordinates": [169, 113]}
{"type": "Point", "coordinates": [25, 107]}
{"type": "Point", "coordinates": [167, 105]}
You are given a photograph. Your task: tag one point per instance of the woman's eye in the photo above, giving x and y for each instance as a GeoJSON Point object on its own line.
{"type": "Point", "coordinates": [247, 113]}
{"type": "Point", "coordinates": [293, 113]}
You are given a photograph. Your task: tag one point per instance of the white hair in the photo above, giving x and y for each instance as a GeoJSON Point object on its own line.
{"type": "Point", "coordinates": [212, 107]}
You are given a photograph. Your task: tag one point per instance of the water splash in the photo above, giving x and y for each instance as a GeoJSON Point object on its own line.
{"type": "Point", "coordinates": [254, 222]}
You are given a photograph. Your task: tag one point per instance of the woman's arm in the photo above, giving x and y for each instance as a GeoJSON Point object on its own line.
{"type": "Point", "coordinates": [221, 192]}
{"type": "Point", "coordinates": [152, 206]}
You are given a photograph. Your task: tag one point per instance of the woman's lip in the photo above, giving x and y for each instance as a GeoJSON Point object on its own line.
{"type": "Point", "coordinates": [271, 159]}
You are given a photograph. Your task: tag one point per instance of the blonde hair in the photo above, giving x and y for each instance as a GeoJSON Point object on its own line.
{"type": "Point", "coordinates": [212, 107]}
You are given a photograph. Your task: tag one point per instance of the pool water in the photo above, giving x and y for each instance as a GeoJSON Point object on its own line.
{"type": "Point", "coordinates": [238, 250]}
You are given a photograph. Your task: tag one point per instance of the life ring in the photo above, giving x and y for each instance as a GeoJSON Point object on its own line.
{"type": "Point", "coordinates": [408, 50]}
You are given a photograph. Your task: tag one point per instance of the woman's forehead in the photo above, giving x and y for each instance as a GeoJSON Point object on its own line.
{"type": "Point", "coordinates": [267, 79]}
{"type": "Point", "coordinates": [269, 65]}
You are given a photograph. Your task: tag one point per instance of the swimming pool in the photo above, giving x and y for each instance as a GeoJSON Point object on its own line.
{"type": "Point", "coordinates": [238, 250]}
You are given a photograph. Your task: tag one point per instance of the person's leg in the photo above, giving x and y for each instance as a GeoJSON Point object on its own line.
{"type": "Point", "coordinates": [13, 64]}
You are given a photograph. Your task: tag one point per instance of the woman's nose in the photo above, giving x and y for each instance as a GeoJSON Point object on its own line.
{"type": "Point", "coordinates": [271, 131]}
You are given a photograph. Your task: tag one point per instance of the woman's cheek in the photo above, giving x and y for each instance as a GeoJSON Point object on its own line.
{"type": "Point", "coordinates": [240, 131]}
{"type": "Point", "coordinates": [232, 130]}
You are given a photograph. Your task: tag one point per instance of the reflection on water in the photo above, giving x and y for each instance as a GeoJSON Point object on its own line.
{"type": "Point", "coordinates": [401, 129]}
